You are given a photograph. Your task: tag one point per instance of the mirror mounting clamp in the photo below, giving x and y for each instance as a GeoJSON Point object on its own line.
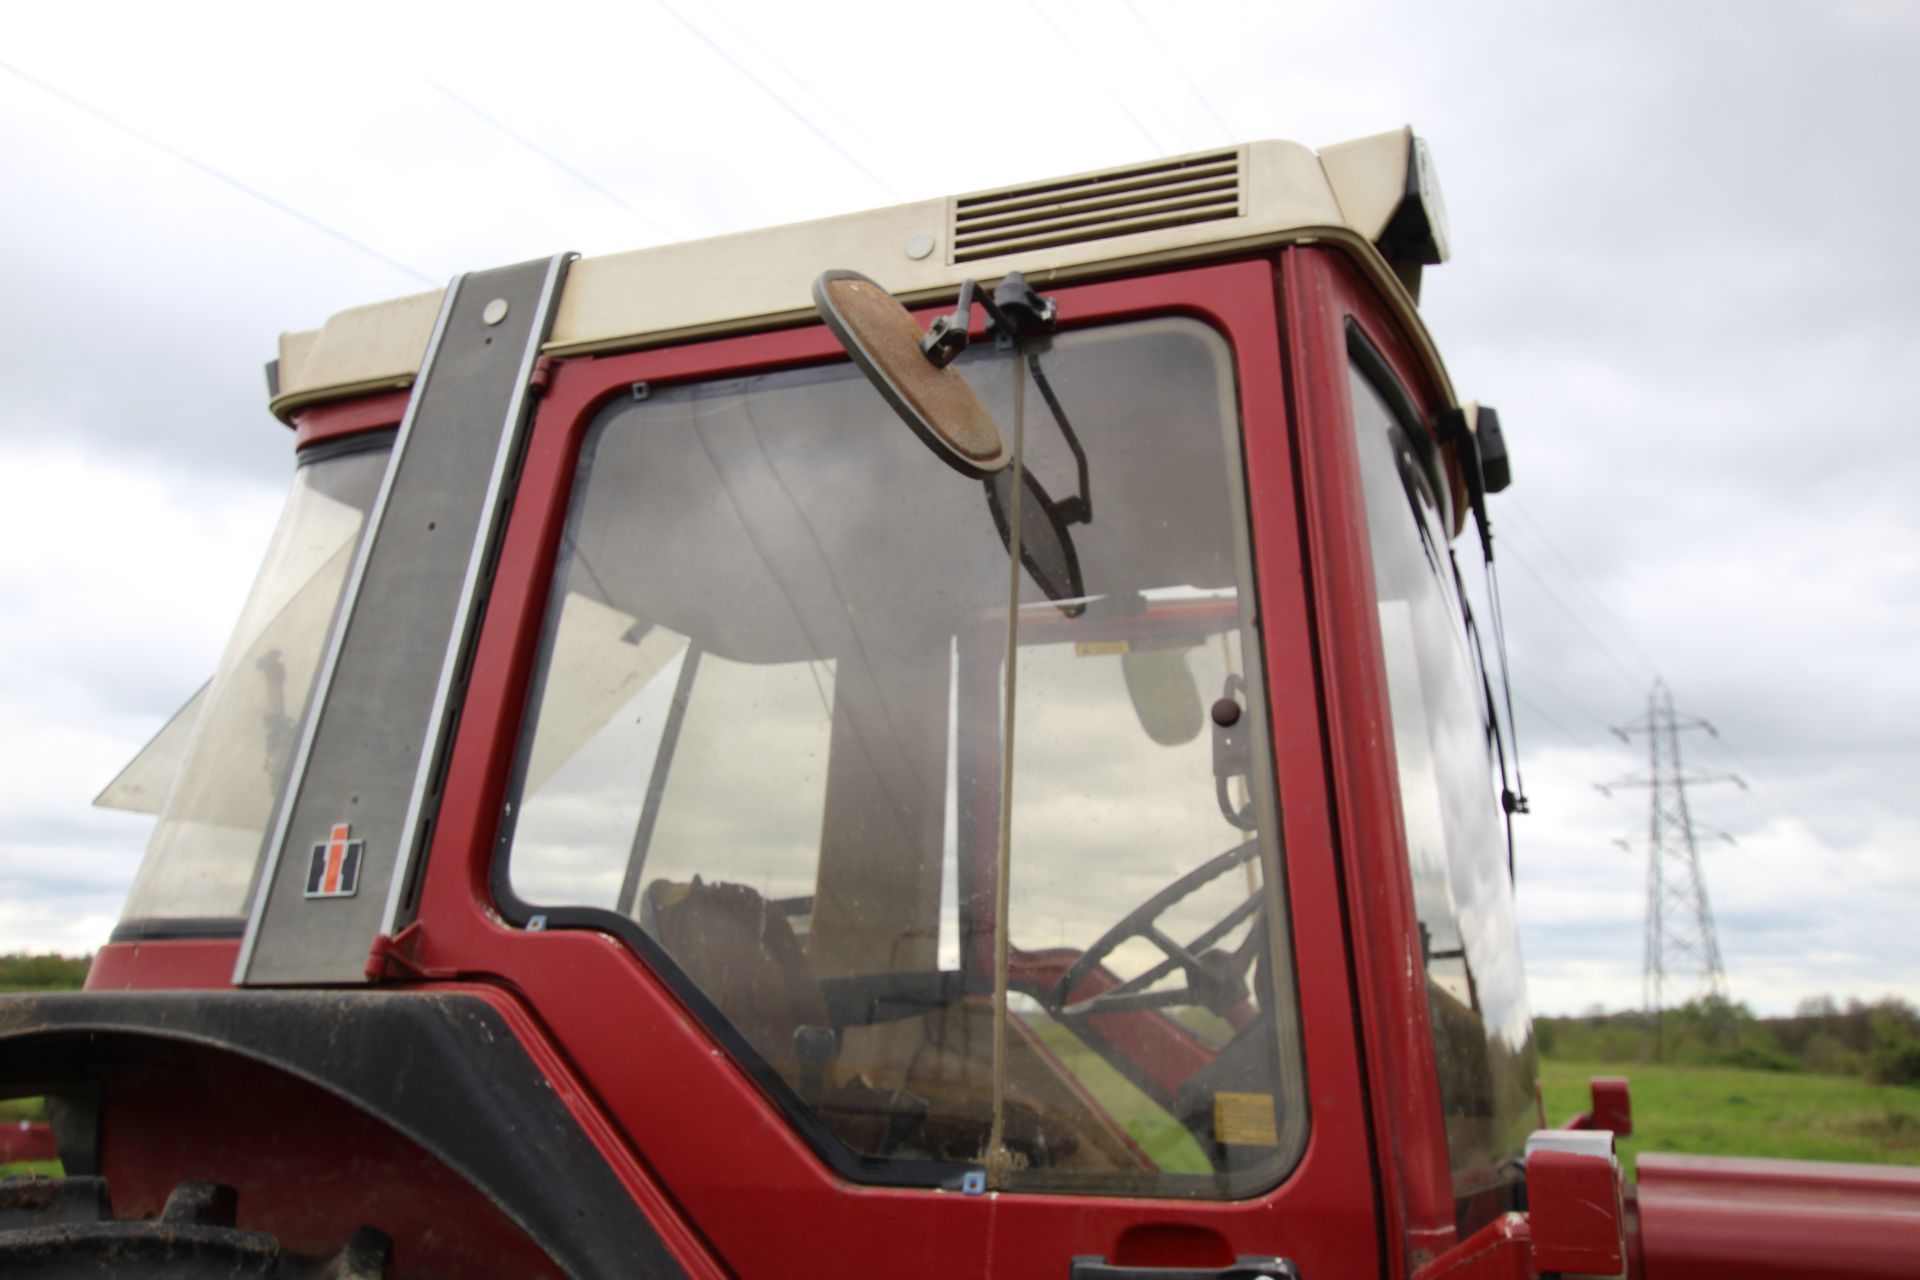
{"type": "Point", "coordinates": [1014, 310]}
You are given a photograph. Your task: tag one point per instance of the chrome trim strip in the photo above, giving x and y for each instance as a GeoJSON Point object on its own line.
{"type": "Point", "coordinates": [409, 854]}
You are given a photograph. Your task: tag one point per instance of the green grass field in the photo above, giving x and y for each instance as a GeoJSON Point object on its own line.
{"type": "Point", "coordinates": [1724, 1111]}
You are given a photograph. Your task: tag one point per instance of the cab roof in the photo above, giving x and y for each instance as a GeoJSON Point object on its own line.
{"type": "Point", "coordinates": [1356, 194]}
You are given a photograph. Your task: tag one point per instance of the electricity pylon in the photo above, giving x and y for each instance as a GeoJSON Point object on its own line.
{"type": "Point", "coordinates": [1680, 943]}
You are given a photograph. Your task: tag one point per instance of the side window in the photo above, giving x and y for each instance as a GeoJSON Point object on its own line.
{"type": "Point", "coordinates": [1456, 847]}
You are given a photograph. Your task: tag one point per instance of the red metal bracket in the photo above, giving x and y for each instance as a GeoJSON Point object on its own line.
{"type": "Point", "coordinates": [542, 376]}
{"type": "Point", "coordinates": [1501, 1250]}
{"type": "Point", "coordinates": [1574, 1207]}
{"type": "Point", "coordinates": [398, 957]}
{"type": "Point", "coordinates": [27, 1140]}
{"type": "Point", "coordinates": [1611, 1107]}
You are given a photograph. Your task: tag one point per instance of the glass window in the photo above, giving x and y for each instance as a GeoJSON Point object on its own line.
{"type": "Point", "coordinates": [1456, 844]}
{"type": "Point", "coordinates": [200, 861]}
{"type": "Point", "coordinates": [767, 732]}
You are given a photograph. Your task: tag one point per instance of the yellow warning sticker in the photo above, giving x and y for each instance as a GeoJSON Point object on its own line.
{"type": "Point", "coordinates": [1099, 648]}
{"type": "Point", "coordinates": [1245, 1119]}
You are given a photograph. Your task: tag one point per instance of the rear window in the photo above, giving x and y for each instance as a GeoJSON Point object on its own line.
{"type": "Point", "coordinates": [201, 859]}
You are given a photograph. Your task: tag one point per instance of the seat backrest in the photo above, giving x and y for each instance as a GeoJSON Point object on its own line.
{"type": "Point", "coordinates": [740, 951]}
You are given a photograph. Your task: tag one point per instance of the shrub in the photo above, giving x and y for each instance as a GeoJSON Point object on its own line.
{"type": "Point", "coordinates": [1757, 1057]}
{"type": "Point", "coordinates": [1828, 1055]}
{"type": "Point", "coordinates": [1896, 1064]}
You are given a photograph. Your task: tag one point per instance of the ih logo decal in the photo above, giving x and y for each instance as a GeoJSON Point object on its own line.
{"type": "Point", "coordinates": [335, 869]}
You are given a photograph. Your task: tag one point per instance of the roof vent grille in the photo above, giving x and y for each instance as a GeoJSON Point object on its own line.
{"type": "Point", "coordinates": [1118, 202]}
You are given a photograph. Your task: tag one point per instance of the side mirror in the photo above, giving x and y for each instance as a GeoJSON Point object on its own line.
{"type": "Point", "coordinates": [1046, 548]}
{"type": "Point", "coordinates": [915, 375]}
{"type": "Point", "coordinates": [933, 399]}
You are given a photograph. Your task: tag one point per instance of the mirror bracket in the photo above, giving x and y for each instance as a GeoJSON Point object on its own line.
{"type": "Point", "coordinates": [1014, 310]}
{"type": "Point", "coordinates": [1026, 310]}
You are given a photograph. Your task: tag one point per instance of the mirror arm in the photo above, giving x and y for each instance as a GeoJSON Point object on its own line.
{"type": "Point", "coordinates": [1079, 508]}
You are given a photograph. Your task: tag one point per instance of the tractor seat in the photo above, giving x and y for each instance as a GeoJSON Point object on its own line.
{"type": "Point", "coordinates": [740, 951]}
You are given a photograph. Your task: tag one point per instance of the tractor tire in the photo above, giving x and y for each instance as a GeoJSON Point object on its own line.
{"type": "Point", "coordinates": [64, 1228]}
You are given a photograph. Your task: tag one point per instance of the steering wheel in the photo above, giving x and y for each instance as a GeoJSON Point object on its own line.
{"type": "Point", "coordinates": [1216, 979]}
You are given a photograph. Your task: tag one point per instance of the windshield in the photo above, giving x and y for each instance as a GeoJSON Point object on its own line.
{"type": "Point", "coordinates": [766, 744]}
{"type": "Point", "coordinates": [200, 861]}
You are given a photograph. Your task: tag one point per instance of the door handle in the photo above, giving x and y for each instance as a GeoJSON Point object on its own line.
{"type": "Point", "coordinates": [1091, 1268]}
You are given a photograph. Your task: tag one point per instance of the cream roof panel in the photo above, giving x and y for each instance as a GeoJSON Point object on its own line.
{"type": "Point", "coordinates": [371, 348]}
{"type": "Point", "coordinates": [1283, 191]}
{"type": "Point", "coordinates": [1369, 178]}
{"type": "Point", "coordinates": [760, 277]}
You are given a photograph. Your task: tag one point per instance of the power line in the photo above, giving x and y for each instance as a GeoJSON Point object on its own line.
{"type": "Point", "coordinates": [1569, 702]}
{"type": "Point", "coordinates": [1605, 650]}
{"type": "Point", "coordinates": [1112, 93]}
{"type": "Point", "coordinates": [1572, 575]}
{"type": "Point", "coordinates": [745, 37]}
{"type": "Point", "coordinates": [769, 90]}
{"type": "Point", "coordinates": [1550, 722]}
{"type": "Point", "coordinates": [1575, 577]}
{"type": "Point", "coordinates": [1226, 130]}
{"type": "Point", "coordinates": [222, 177]}
{"type": "Point", "coordinates": [1773, 793]}
{"type": "Point", "coordinates": [550, 158]}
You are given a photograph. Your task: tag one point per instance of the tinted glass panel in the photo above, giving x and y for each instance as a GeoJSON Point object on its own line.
{"type": "Point", "coordinates": [768, 732]}
{"type": "Point", "coordinates": [1455, 839]}
{"type": "Point", "coordinates": [200, 861]}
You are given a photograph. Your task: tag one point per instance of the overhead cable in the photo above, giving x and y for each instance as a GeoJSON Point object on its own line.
{"type": "Point", "coordinates": [1226, 130]}
{"type": "Point", "coordinates": [551, 159]}
{"type": "Point", "coordinates": [1574, 576]}
{"type": "Point", "coordinates": [771, 92]}
{"type": "Point", "coordinates": [1118, 101]}
{"type": "Point", "coordinates": [1606, 650]}
{"type": "Point", "coordinates": [221, 176]}
{"type": "Point", "coordinates": [1572, 737]}
{"type": "Point", "coordinates": [1537, 532]}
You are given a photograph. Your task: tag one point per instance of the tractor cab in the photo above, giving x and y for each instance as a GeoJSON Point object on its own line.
{"type": "Point", "coordinates": [955, 727]}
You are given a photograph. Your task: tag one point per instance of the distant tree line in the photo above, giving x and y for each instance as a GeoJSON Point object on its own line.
{"type": "Point", "coordinates": [43, 973]}
{"type": "Point", "coordinates": [1880, 1041]}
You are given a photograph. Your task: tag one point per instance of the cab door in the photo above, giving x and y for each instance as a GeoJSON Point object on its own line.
{"type": "Point", "coordinates": [1408, 699]}
{"type": "Point", "coordinates": [727, 801]}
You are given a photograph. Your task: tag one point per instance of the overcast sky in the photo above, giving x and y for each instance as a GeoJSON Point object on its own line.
{"type": "Point", "coordinates": [1683, 269]}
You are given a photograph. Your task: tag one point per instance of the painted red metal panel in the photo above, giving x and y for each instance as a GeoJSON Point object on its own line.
{"type": "Point", "coordinates": [1612, 1108]}
{"type": "Point", "coordinates": [309, 1168]}
{"type": "Point", "coordinates": [696, 1122]}
{"type": "Point", "coordinates": [1573, 1204]}
{"type": "Point", "coordinates": [172, 964]}
{"type": "Point", "coordinates": [1320, 291]}
{"type": "Point", "coordinates": [348, 417]}
{"type": "Point", "coordinates": [27, 1140]}
{"type": "Point", "coordinates": [1718, 1218]}
{"type": "Point", "coordinates": [1501, 1250]}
